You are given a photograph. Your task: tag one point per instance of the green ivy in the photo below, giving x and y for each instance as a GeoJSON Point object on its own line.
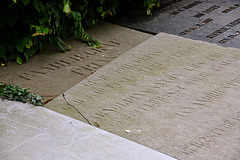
{"type": "Point", "coordinates": [25, 25]}
{"type": "Point", "coordinates": [14, 92]}
{"type": "Point", "coordinates": [150, 4]}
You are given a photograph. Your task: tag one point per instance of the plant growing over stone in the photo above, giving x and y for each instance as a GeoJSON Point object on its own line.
{"type": "Point", "coordinates": [25, 25]}
{"type": "Point", "coordinates": [14, 92]}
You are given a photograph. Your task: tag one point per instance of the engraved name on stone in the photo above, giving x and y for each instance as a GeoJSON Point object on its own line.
{"type": "Point", "coordinates": [162, 89]}
{"type": "Point", "coordinates": [76, 58]}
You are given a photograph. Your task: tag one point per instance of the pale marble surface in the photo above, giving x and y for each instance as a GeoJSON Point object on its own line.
{"type": "Point", "coordinates": [35, 133]}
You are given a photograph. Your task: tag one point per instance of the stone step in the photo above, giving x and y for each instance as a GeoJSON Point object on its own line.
{"type": "Point", "coordinates": [175, 95]}
{"type": "Point", "coordinates": [36, 133]}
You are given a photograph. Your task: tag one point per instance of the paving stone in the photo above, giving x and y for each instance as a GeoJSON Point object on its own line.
{"type": "Point", "coordinates": [36, 133]}
{"type": "Point", "coordinates": [215, 21]}
{"type": "Point", "coordinates": [172, 94]}
{"type": "Point", "coordinates": [53, 72]}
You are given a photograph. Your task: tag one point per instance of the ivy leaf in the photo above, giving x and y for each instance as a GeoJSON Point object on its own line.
{"type": "Point", "coordinates": [30, 95]}
{"type": "Point", "coordinates": [76, 15]}
{"type": "Point", "coordinates": [90, 22]}
{"type": "Point", "coordinates": [66, 8]}
{"type": "Point", "coordinates": [43, 20]}
{"type": "Point", "coordinates": [57, 22]}
{"type": "Point", "coordinates": [30, 43]}
{"type": "Point", "coordinates": [45, 30]}
{"type": "Point", "coordinates": [19, 60]}
{"type": "Point", "coordinates": [27, 45]}
{"type": "Point", "coordinates": [63, 49]}
{"type": "Point", "coordinates": [35, 5]}
{"type": "Point", "coordinates": [38, 97]}
{"type": "Point", "coordinates": [30, 52]}
{"type": "Point", "coordinates": [100, 9]}
{"type": "Point", "coordinates": [25, 2]}
{"type": "Point", "coordinates": [26, 56]}
{"type": "Point", "coordinates": [148, 12]}
{"type": "Point", "coordinates": [20, 47]}
{"type": "Point", "coordinates": [77, 35]}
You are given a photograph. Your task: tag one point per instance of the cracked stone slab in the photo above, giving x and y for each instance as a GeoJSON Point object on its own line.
{"type": "Point", "coordinates": [52, 72]}
{"type": "Point", "coordinates": [172, 94]}
{"type": "Point", "coordinates": [36, 133]}
{"type": "Point", "coordinates": [215, 21]}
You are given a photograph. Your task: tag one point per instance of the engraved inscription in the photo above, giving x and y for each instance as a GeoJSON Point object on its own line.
{"type": "Point", "coordinates": [224, 29]}
{"type": "Point", "coordinates": [76, 58]}
{"type": "Point", "coordinates": [228, 38]}
{"type": "Point", "coordinates": [196, 27]}
{"type": "Point", "coordinates": [231, 8]}
{"type": "Point", "coordinates": [209, 10]}
{"type": "Point", "coordinates": [208, 137]}
{"type": "Point", "coordinates": [210, 96]}
{"type": "Point", "coordinates": [168, 87]}
{"type": "Point", "coordinates": [25, 76]}
{"type": "Point", "coordinates": [137, 61]}
{"type": "Point", "coordinates": [158, 9]}
{"type": "Point", "coordinates": [183, 90]}
{"type": "Point", "coordinates": [193, 4]}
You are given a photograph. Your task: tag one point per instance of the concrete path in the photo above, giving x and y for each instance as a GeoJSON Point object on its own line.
{"type": "Point", "coordinates": [36, 133]}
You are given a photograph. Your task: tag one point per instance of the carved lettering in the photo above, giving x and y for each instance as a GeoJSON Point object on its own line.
{"type": "Point", "coordinates": [193, 4]}
{"type": "Point", "coordinates": [231, 8]}
{"type": "Point", "coordinates": [78, 71]}
{"type": "Point", "coordinates": [25, 76]}
{"type": "Point", "coordinates": [224, 29]}
{"type": "Point", "coordinates": [196, 26]}
{"type": "Point", "coordinates": [230, 37]}
{"type": "Point", "coordinates": [48, 68]}
{"type": "Point", "coordinates": [204, 140]}
{"type": "Point", "coordinates": [209, 10]}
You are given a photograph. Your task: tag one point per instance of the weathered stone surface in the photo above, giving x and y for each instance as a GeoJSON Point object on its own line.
{"type": "Point", "coordinates": [175, 95]}
{"type": "Point", "coordinates": [52, 72]}
{"type": "Point", "coordinates": [215, 21]}
{"type": "Point", "coordinates": [36, 133]}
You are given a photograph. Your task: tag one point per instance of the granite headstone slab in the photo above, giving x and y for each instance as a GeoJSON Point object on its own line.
{"type": "Point", "coordinates": [175, 95]}
{"type": "Point", "coordinates": [215, 21]}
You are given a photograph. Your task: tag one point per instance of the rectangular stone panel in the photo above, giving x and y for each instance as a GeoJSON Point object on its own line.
{"type": "Point", "coordinates": [215, 21]}
{"type": "Point", "coordinates": [36, 133]}
{"type": "Point", "coordinates": [172, 94]}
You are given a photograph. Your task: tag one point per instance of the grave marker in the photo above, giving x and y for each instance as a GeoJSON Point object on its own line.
{"type": "Point", "coordinates": [175, 95]}
{"type": "Point", "coordinates": [211, 21]}
{"type": "Point", "coordinates": [52, 72]}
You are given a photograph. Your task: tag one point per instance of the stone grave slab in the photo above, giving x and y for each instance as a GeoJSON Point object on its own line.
{"type": "Point", "coordinates": [215, 21]}
{"type": "Point", "coordinates": [172, 94]}
{"type": "Point", "coordinates": [36, 133]}
{"type": "Point", "coordinates": [52, 72]}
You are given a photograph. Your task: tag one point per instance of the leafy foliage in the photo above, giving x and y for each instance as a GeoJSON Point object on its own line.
{"type": "Point", "coordinates": [25, 25]}
{"type": "Point", "coordinates": [150, 4]}
{"type": "Point", "coordinates": [13, 92]}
